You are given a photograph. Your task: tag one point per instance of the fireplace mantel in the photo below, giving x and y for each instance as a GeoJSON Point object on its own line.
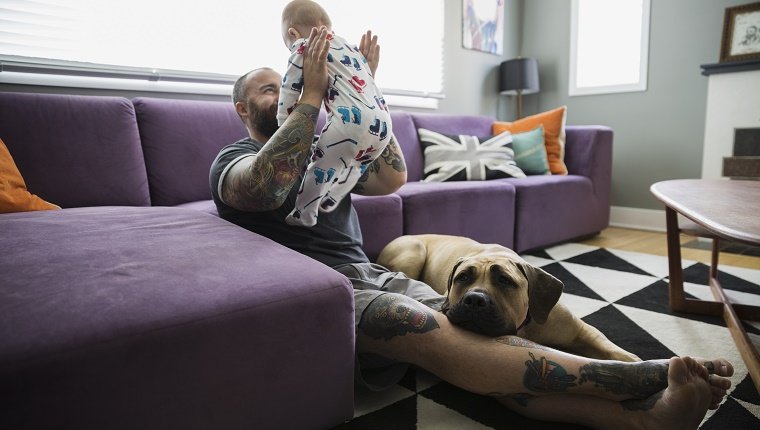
{"type": "Point", "coordinates": [730, 67]}
{"type": "Point", "coordinates": [732, 102]}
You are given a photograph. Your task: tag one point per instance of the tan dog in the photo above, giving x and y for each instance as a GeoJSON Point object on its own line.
{"type": "Point", "coordinates": [489, 289]}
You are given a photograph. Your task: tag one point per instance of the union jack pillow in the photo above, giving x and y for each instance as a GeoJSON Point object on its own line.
{"type": "Point", "coordinates": [468, 158]}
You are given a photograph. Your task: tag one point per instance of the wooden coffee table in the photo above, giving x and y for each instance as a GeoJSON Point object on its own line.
{"type": "Point", "coordinates": [721, 210]}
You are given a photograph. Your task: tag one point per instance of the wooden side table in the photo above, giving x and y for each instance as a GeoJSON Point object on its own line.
{"type": "Point", "coordinates": [720, 209]}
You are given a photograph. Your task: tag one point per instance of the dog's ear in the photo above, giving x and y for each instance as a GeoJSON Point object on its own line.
{"type": "Point", "coordinates": [543, 291]}
{"type": "Point", "coordinates": [446, 305]}
{"type": "Point", "coordinates": [459, 261]}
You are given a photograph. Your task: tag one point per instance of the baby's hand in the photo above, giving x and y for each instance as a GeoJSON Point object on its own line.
{"type": "Point", "coordinates": [371, 50]}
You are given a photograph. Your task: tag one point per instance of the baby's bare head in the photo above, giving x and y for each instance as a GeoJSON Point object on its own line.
{"type": "Point", "coordinates": [299, 17]}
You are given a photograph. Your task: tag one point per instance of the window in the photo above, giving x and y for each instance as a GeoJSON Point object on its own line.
{"type": "Point", "coordinates": [202, 47]}
{"type": "Point", "coordinates": [609, 46]}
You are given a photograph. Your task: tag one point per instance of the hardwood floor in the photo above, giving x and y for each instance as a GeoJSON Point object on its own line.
{"type": "Point", "coordinates": [651, 242]}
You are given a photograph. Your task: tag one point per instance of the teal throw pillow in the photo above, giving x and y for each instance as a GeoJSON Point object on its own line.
{"type": "Point", "coordinates": [530, 152]}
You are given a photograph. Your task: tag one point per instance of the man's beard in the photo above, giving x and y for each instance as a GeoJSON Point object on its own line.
{"type": "Point", "coordinates": [263, 120]}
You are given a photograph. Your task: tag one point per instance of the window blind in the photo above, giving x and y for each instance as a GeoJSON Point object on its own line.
{"type": "Point", "coordinates": [97, 43]}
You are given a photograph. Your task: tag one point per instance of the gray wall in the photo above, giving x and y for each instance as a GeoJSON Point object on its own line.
{"type": "Point", "coordinates": [470, 77]}
{"type": "Point", "coordinates": [658, 133]}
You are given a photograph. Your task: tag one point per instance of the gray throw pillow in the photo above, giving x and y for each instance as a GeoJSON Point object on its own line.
{"type": "Point", "coordinates": [467, 158]}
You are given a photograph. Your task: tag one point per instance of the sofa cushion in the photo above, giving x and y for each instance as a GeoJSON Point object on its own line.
{"type": "Point", "coordinates": [381, 220]}
{"type": "Point", "coordinates": [119, 317]}
{"type": "Point", "coordinates": [76, 150]}
{"type": "Point", "coordinates": [555, 208]}
{"type": "Point", "coordinates": [482, 210]}
{"type": "Point", "coordinates": [14, 197]}
{"type": "Point", "coordinates": [468, 158]}
{"type": "Point", "coordinates": [180, 139]}
{"type": "Point", "coordinates": [554, 134]}
{"type": "Point", "coordinates": [206, 206]}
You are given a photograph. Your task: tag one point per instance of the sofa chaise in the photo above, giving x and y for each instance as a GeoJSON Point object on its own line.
{"type": "Point", "coordinates": [135, 306]}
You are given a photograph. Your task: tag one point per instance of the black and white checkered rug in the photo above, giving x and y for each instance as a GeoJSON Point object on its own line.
{"type": "Point", "coordinates": [625, 295]}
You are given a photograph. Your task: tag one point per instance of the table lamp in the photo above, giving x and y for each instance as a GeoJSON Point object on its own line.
{"type": "Point", "coordinates": [518, 76]}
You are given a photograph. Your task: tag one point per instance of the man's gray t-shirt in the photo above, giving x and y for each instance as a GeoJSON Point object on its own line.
{"type": "Point", "coordinates": [336, 238]}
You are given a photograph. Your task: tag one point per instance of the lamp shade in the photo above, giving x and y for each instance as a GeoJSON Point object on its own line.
{"type": "Point", "coordinates": [518, 74]}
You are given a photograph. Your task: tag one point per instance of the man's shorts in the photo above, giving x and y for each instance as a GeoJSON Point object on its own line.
{"type": "Point", "coordinates": [371, 281]}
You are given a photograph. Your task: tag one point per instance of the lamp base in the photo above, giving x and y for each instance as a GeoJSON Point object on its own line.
{"type": "Point", "coordinates": [519, 104]}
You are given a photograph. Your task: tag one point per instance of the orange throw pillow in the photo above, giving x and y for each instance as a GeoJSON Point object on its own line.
{"type": "Point", "coordinates": [554, 134]}
{"type": "Point", "coordinates": [13, 194]}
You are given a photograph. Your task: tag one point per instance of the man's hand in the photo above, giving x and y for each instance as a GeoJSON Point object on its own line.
{"type": "Point", "coordinates": [315, 68]}
{"type": "Point", "coordinates": [371, 50]}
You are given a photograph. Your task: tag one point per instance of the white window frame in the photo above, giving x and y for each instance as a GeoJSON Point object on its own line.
{"type": "Point", "coordinates": [641, 85]}
{"type": "Point", "coordinates": [30, 70]}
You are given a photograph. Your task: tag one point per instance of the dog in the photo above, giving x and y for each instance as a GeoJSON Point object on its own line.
{"type": "Point", "coordinates": [491, 290]}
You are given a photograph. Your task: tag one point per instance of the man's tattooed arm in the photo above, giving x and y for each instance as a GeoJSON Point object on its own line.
{"type": "Point", "coordinates": [384, 175]}
{"type": "Point", "coordinates": [262, 182]}
{"type": "Point", "coordinates": [392, 315]}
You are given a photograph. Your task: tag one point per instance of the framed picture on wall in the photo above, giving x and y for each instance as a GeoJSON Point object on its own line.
{"type": "Point", "coordinates": [741, 33]}
{"type": "Point", "coordinates": [483, 25]}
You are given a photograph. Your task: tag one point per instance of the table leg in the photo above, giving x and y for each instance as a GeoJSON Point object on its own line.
{"type": "Point", "coordinates": [675, 270]}
{"type": "Point", "coordinates": [678, 300]}
{"type": "Point", "coordinates": [743, 343]}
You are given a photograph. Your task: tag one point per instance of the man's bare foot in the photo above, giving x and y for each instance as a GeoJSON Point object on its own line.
{"type": "Point", "coordinates": [683, 404]}
{"type": "Point", "coordinates": [719, 369]}
{"type": "Point", "coordinates": [717, 366]}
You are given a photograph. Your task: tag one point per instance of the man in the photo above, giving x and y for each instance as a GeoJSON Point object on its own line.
{"type": "Point", "coordinates": [397, 321]}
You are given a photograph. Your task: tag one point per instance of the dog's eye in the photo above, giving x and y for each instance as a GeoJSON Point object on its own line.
{"type": "Point", "coordinates": [503, 280]}
{"type": "Point", "coordinates": [464, 277]}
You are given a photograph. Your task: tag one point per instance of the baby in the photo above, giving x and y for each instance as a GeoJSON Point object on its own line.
{"type": "Point", "coordinates": [358, 124]}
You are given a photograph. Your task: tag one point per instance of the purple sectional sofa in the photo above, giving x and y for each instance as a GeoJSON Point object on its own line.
{"type": "Point", "coordinates": [136, 307]}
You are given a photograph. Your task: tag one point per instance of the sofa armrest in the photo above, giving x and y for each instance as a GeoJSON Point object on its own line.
{"type": "Point", "coordinates": [588, 152]}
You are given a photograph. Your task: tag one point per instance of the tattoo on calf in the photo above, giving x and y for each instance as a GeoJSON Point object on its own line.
{"type": "Point", "coordinates": [546, 376]}
{"type": "Point", "coordinates": [521, 398]}
{"type": "Point", "coordinates": [392, 315]}
{"type": "Point", "coordinates": [639, 380]}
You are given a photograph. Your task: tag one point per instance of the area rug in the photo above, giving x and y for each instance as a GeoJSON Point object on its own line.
{"type": "Point", "coordinates": [625, 295]}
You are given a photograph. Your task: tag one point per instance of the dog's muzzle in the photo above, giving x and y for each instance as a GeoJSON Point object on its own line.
{"type": "Point", "coordinates": [478, 313]}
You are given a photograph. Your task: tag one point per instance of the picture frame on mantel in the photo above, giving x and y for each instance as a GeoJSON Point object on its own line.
{"type": "Point", "coordinates": [741, 33]}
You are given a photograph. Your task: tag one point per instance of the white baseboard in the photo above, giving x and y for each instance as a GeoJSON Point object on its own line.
{"type": "Point", "coordinates": [640, 219]}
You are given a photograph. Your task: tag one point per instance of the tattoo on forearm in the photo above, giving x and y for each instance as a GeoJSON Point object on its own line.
{"type": "Point", "coordinates": [265, 184]}
{"type": "Point", "coordinates": [391, 156]}
{"type": "Point", "coordinates": [518, 341]}
{"type": "Point", "coordinates": [392, 315]}
{"type": "Point", "coordinates": [642, 404]}
{"type": "Point", "coordinates": [546, 376]}
{"type": "Point", "coordinates": [639, 380]}
{"type": "Point", "coordinates": [372, 168]}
